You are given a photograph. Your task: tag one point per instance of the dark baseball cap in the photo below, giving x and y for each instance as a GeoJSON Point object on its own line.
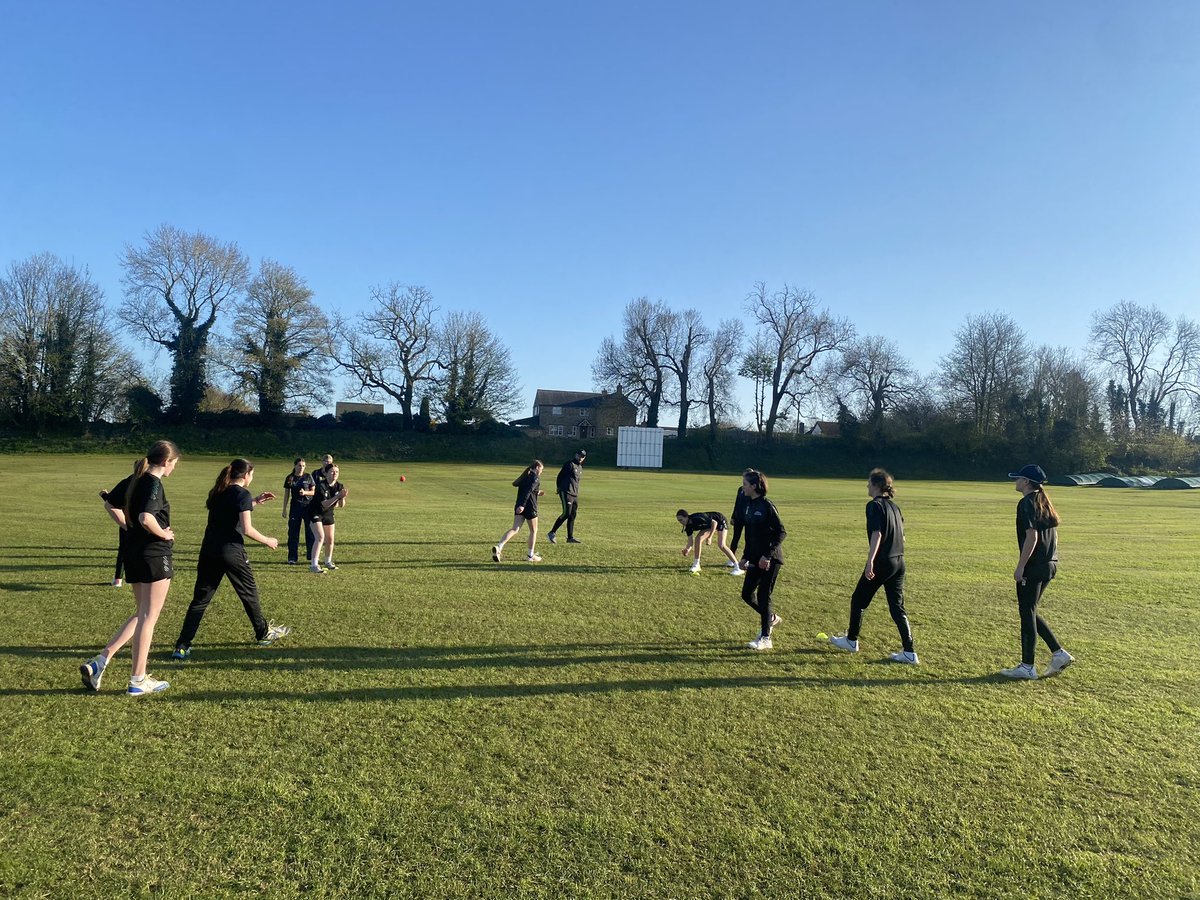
{"type": "Point", "coordinates": [582, 454]}
{"type": "Point", "coordinates": [1034, 473]}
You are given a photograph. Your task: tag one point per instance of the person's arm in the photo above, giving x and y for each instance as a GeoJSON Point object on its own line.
{"type": "Point", "coordinates": [872, 550]}
{"type": "Point", "coordinates": [115, 513]}
{"type": "Point", "coordinates": [1027, 548]}
{"type": "Point", "coordinates": [777, 534]}
{"type": "Point", "coordinates": [287, 495]}
{"type": "Point", "coordinates": [687, 549]}
{"type": "Point", "coordinates": [254, 534]}
{"type": "Point", "coordinates": [151, 525]}
{"type": "Point", "coordinates": [263, 498]}
{"type": "Point", "coordinates": [711, 531]}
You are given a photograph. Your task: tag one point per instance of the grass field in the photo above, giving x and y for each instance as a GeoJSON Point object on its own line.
{"type": "Point", "coordinates": [439, 726]}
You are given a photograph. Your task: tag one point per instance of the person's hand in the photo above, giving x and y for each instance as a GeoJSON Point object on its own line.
{"type": "Point", "coordinates": [168, 534]}
{"type": "Point", "coordinates": [264, 497]}
{"type": "Point", "coordinates": [271, 543]}
{"type": "Point", "coordinates": [764, 563]}
{"type": "Point", "coordinates": [1019, 574]}
{"type": "Point", "coordinates": [684, 551]}
{"type": "Point", "coordinates": [541, 493]}
{"type": "Point", "coordinates": [104, 495]}
{"type": "Point", "coordinates": [869, 571]}
{"type": "Point", "coordinates": [520, 509]}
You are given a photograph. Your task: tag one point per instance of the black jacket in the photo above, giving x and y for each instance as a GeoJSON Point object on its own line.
{"type": "Point", "coordinates": [764, 531]}
{"type": "Point", "coordinates": [568, 479]}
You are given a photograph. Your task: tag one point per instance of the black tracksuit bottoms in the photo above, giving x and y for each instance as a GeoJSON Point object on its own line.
{"type": "Point", "coordinates": [761, 582]}
{"type": "Point", "coordinates": [1029, 594]}
{"type": "Point", "coordinates": [296, 521]}
{"type": "Point", "coordinates": [890, 576]}
{"type": "Point", "coordinates": [570, 507]}
{"type": "Point", "coordinates": [230, 562]}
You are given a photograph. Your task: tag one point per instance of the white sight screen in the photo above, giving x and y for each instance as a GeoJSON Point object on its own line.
{"type": "Point", "coordinates": [640, 448]}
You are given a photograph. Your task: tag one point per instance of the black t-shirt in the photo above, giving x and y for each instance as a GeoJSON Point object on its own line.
{"type": "Point", "coordinates": [324, 490]}
{"type": "Point", "coordinates": [116, 497]}
{"type": "Point", "coordinates": [148, 497]}
{"type": "Point", "coordinates": [225, 519]}
{"type": "Point", "coordinates": [764, 531]}
{"type": "Point", "coordinates": [702, 522]}
{"type": "Point", "coordinates": [884, 516]}
{"type": "Point", "coordinates": [527, 494]}
{"type": "Point", "coordinates": [295, 484]}
{"type": "Point", "coordinates": [1046, 551]}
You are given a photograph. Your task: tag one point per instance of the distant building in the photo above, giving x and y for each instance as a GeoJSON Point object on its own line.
{"type": "Point", "coordinates": [826, 429]}
{"type": "Point", "coordinates": [344, 407]}
{"type": "Point", "coordinates": [579, 414]}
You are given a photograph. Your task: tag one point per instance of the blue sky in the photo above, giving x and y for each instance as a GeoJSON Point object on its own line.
{"type": "Point", "coordinates": [909, 162]}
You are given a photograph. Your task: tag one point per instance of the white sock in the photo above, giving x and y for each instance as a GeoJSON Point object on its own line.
{"type": "Point", "coordinates": [137, 679]}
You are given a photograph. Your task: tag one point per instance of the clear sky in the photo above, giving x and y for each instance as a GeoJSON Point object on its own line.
{"type": "Point", "coordinates": [546, 162]}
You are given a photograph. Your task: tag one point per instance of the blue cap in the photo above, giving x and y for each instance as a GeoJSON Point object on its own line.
{"type": "Point", "coordinates": [1034, 473]}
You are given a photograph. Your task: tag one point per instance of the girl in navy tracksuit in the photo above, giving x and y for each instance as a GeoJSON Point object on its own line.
{"type": "Point", "coordinates": [763, 555]}
{"type": "Point", "coordinates": [528, 486]}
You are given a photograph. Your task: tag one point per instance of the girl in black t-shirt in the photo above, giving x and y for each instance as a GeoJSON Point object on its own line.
{"type": "Point", "coordinates": [884, 568]}
{"type": "Point", "coordinates": [298, 487]}
{"type": "Point", "coordinates": [1037, 539]}
{"type": "Point", "coordinates": [700, 528]}
{"type": "Point", "coordinates": [528, 485]}
{"type": "Point", "coordinates": [329, 494]}
{"type": "Point", "coordinates": [148, 568]}
{"type": "Point", "coordinates": [223, 554]}
{"type": "Point", "coordinates": [114, 505]}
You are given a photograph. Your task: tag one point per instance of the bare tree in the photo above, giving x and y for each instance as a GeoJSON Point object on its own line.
{"type": "Point", "coordinates": [57, 361]}
{"type": "Point", "coordinates": [758, 364]}
{"type": "Point", "coordinates": [797, 333]}
{"type": "Point", "coordinates": [276, 353]}
{"type": "Point", "coordinates": [391, 350]}
{"type": "Point", "coordinates": [874, 372]}
{"type": "Point", "coordinates": [1063, 386]}
{"type": "Point", "coordinates": [987, 366]}
{"type": "Point", "coordinates": [478, 380]}
{"type": "Point", "coordinates": [637, 362]}
{"type": "Point", "coordinates": [175, 286]}
{"type": "Point", "coordinates": [685, 342]}
{"type": "Point", "coordinates": [1157, 360]}
{"type": "Point", "coordinates": [718, 373]}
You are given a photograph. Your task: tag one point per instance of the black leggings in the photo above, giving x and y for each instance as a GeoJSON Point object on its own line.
{"type": "Point", "coordinates": [762, 582]}
{"type": "Point", "coordinates": [231, 562]}
{"type": "Point", "coordinates": [570, 508]}
{"type": "Point", "coordinates": [891, 578]}
{"type": "Point", "coordinates": [1029, 593]}
{"type": "Point", "coordinates": [121, 542]}
{"type": "Point", "coordinates": [295, 523]}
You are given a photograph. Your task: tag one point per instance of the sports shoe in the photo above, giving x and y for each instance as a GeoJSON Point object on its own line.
{"type": "Point", "coordinates": [117, 582]}
{"type": "Point", "coordinates": [148, 685]}
{"type": "Point", "coordinates": [329, 564]}
{"type": "Point", "coordinates": [736, 571]}
{"type": "Point", "coordinates": [762, 642]}
{"type": "Point", "coordinates": [92, 672]}
{"type": "Point", "coordinates": [181, 653]}
{"type": "Point", "coordinates": [532, 557]}
{"type": "Point", "coordinates": [908, 657]}
{"type": "Point", "coordinates": [571, 540]}
{"type": "Point", "coordinates": [496, 553]}
{"type": "Point", "coordinates": [776, 620]}
{"type": "Point", "coordinates": [551, 538]}
{"type": "Point", "coordinates": [844, 643]}
{"type": "Point", "coordinates": [732, 565]}
{"type": "Point", "coordinates": [293, 562]}
{"type": "Point", "coordinates": [274, 633]}
{"type": "Point", "coordinates": [316, 569]}
{"type": "Point", "coordinates": [1059, 661]}
{"type": "Point", "coordinates": [1024, 672]}
{"type": "Point", "coordinates": [695, 569]}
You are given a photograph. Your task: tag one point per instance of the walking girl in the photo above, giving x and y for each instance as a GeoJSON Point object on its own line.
{"type": "Point", "coordinates": [528, 486]}
{"type": "Point", "coordinates": [148, 567]}
{"type": "Point", "coordinates": [1037, 538]}
{"type": "Point", "coordinates": [763, 556]}
{"type": "Point", "coordinates": [884, 568]}
{"type": "Point", "coordinates": [327, 494]}
{"type": "Point", "coordinates": [299, 488]}
{"type": "Point", "coordinates": [223, 554]}
{"type": "Point", "coordinates": [700, 528]}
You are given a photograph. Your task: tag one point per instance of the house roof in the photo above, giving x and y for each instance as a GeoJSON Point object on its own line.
{"type": "Point", "coordinates": [561, 398]}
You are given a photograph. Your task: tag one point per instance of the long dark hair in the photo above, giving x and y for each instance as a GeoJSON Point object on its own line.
{"type": "Point", "coordinates": [529, 469]}
{"type": "Point", "coordinates": [239, 468]}
{"type": "Point", "coordinates": [758, 479]}
{"type": "Point", "coordinates": [1044, 509]}
{"type": "Point", "coordinates": [159, 454]}
{"type": "Point", "coordinates": [883, 482]}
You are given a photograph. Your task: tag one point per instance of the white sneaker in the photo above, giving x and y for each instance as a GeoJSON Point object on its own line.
{"type": "Point", "coordinates": [776, 620]}
{"type": "Point", "coordinates": [695, 569]}
{"type": "Point", "coordinates": [92, 672]}
{"type": "Point", "coordinates": [274, 633]}
{"type": "Point", "coordinates": [532, 557]}
{"type": "Point", "coordinates": [909, 657]}
{"type": "Point", "coordinates": [1024, 672]}
{"type": "Point", "coordinates": [148, 685]}
{"type": "Point", "coordinates": [1059, 661]}
{"type": "Point", "coordinates": [732, 565]}
{"type": "Point", "coordinates": [844, 643]}
{"type": "Point", "coordinates": [763, 642]}
{"type": "Point", "coordinates": [496, 553]}
{"type": "Point", "coordinates": [736, 570]}
{"type": "Point", "coordinates": [316, 569]}
{"type": "Point", "coordinates": [117, 582]}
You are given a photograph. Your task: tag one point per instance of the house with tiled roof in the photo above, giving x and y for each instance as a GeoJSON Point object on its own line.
{"type": "Point", "coordinates": [580, 414]}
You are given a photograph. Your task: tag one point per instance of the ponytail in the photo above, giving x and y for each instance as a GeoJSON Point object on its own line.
{"type": "Point", "coordinates": [529, 469]}
{"type": "Point", "coordinates": [882, 482]}
{"type": "Point", "coordinates": [1044, 509]}
{"type": "Point", "coordinates": [239, 468]}
{"type": "Point", "coordinates": [159, 454]}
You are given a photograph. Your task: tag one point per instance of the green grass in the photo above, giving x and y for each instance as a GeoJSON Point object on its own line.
{"type": "Point", "coordinates": [438, 726]}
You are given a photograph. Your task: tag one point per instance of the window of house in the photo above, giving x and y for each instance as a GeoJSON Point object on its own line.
{"type": "Point", "coordinates": [574, 432]}
{"type": "Point", "coordinates": [556, 430]}
{"type": "Point", "coordinates": [583, 412]}
{"type": "Point", "coordinates": [556, 410]}
{"type": "Point", "coordinates": [608, 431]}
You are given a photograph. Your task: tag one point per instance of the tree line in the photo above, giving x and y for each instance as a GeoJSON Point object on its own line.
{"type": "Point", "coordinates": [257, 340]}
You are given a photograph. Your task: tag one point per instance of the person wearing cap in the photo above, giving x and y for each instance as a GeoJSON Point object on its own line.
{"type": "Point", "coordinates": [567, 486]}
{"type": "Point", "coordinates": [1037, 538]}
